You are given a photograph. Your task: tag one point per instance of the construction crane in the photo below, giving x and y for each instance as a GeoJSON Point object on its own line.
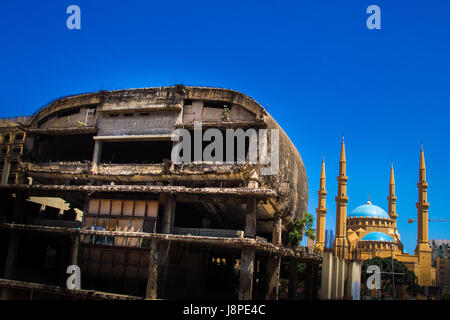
{"type": "Point", "coordinates": [430, 220]}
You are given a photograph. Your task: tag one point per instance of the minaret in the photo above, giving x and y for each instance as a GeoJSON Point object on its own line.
{"type": "Point", "coordinates": [341, 205]}
{"type": "Point", "coordinates": [392, 198]}
{"type": "Point", "coordinates": [422, 208]}
{"type": "Point", "coordinates": [321, 211]}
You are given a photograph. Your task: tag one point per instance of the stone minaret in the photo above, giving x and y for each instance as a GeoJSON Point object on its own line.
{"type": "Point", "coordinates": [422, 208]}
{"type": "Point", "coordinates": [392, 198]}
{"type": "Point", "coordinates": [341, 205]}
{"type": "Point", "coordinates": [321, 211]}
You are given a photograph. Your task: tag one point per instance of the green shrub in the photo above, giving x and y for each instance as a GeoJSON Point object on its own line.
{"type": "Point", "coordinates": [446, 296]}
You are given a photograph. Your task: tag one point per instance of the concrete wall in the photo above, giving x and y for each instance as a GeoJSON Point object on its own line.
{"type": "Point", "coordinates": [156, 122]}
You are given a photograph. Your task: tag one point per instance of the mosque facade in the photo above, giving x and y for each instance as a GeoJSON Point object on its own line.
{"type": "Point", "coordinates": [369, 231]}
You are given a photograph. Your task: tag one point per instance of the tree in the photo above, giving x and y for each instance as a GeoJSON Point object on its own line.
{"type": "Point", "coordinates": [402, 275]}
{"type": "Point", "coordinates": [302, 226]}
{"type": "Point", "coordinates": [445, 296]}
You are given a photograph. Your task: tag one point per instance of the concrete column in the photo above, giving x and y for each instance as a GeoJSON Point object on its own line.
{"type": "Point", "coordinates": [250, 219]}
{"type": "Point", "coordinates": [341, 278]}
{"type": "Point", "coordinates": [334, 278]}
{"type": "Point", "coordinates": [164, 248]}
{"type": "Point", "coordinates": [353, 276]}
{"type": "Point", "coordinates": [75, 249]}
{"type": "Point", "coordinates": [274, 263]}
{"type": "Point", "coordinates": [152, 282]}
{"type": "Point", "coordinates": [5, 172]}
{"type": "Point", "coordinates": [276, 234]}
{"type": "Point", "coordinates": [169, 216]}
{"type": "Point", "coordinates": [246, 273]}
{"type": "Point", "coordinates": [327, 276]}
{"type": "Point", "coordinates": [292, 289]}
{"type": "Point", "coordinates": [97, 153]}
{"type": "Point", "coordinates": [273, 277]}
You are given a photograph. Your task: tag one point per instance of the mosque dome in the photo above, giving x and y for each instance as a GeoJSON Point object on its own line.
{"type": "Point", "coordinates": [377, 236]}
{"type": "Point", "coordinates": [368, 210]}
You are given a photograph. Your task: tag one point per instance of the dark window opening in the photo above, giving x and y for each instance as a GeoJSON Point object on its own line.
{"type": "Point", "coordinates": [19, 136]}
{"type": "Point", "coordinates": [6, 137]}
{"type": "Point", "coordinates": [14, 166]}
{"type": "Point", "coordinates": [222, 279]}
{"type": "Point", "coordinates": [4, 150]}
{"type": "Point", "coordinates": [127, 114]}
{"type": "Point", "coordinates": [217, 104]}
{"type": "Point", "coordinates": [188, 102]}
{"type": "Point", "coordinates": [12, 179]}
{"type": "Point", "coordinates": [114, 270]}
{"type": "Point", "coordinates": [136, 152]}
{"type": "Point", "coordinates": [62, 148]}
{"type": "Point", "coordinates": [189, 215]}
{"type": "Point", "coordinates": [50, 213]}
{"type": "Point", "coordinates": [43, 258]}
{"type": "Point", "coordinates": [16, 150]}
{"type": "Point", "coordinates": [198, 216]}
{"type": "Point", "coordinates": [113, 115]}
{"type": "Point", "coordinates": [149, 225]}
{"type": "Point", "coordinates": [68, 112]}
{"type": "Point", "coordinates": [144, 114]}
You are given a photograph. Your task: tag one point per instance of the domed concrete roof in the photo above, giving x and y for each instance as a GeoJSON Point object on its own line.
{"type": "Point", "coordinates": [368, 210]}
{"type": "Point", "coordinates": [377, 236]}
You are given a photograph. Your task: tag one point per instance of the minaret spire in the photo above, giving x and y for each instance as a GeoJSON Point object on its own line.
{"type": "Point", "coordinates": [343, 152]}
{"type": "Point", "coordinates": [341, 205]}
{"type": "Point", "coordinates": [422, 207]}
{"type": "Point", "coordinates": [321, 210]}
{"type": "Point", "coordinates": [423, 249]}
{"type": "Point", "coordinates": [392, 198]}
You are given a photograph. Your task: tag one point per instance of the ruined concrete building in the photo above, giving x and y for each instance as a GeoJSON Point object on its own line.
{"type": "Point", "coordinates": [140, 226]}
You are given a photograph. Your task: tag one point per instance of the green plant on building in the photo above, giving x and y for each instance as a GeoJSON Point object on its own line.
{"type": "Point", "coordinates": [226, 113]}
{"type": "Point", "coordinates": [68, 121]}
{"type": "Point", "coordinates": [302, 227]}
{"type": "Point", "coordinates": [80, 123]}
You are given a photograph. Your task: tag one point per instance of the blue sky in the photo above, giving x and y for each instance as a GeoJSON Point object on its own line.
{"type": "Point", "coordinates": [313, 64]}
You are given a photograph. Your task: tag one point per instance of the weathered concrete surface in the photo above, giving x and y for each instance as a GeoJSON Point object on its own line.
{"type": "Point", "coordinates": [290, 182]}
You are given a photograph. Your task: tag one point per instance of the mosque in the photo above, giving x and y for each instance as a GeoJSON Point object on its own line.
{"type": "Point", "coordinates": [368, 231]}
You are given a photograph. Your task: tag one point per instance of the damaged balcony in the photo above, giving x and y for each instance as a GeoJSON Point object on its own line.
{"type": "Point", "coordinates": [222, 174]}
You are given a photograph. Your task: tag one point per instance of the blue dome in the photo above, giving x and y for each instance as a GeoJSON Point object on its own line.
{"type": "Point", "coordinates": [368, 210]}
{"type": "Point", "coordinates": [377, 236]}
